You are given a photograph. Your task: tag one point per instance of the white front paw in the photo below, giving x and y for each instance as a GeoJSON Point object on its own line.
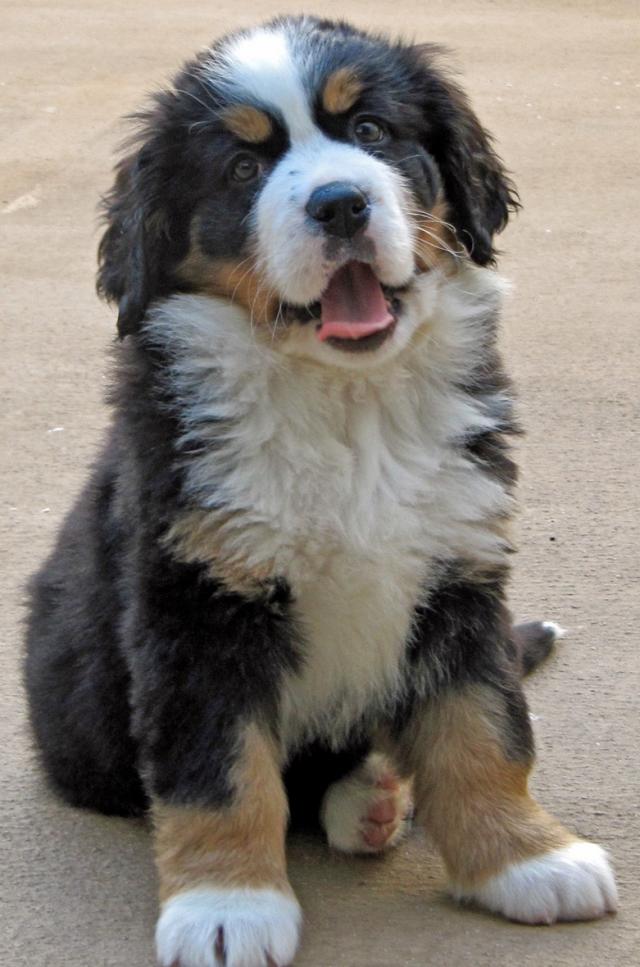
{"type": "Point", "coordinates": [212, 927]}
{"type": "Point", "coordinates": [572, 883]}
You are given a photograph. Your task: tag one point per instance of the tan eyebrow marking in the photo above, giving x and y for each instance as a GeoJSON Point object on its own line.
{"type": "Point", "coordinates": [341, 91]}
{"type": "Point", "coordinates": [248, 123]}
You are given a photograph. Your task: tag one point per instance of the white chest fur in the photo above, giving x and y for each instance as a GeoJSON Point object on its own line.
{"type": "Point", "coordinates": [350, 486]}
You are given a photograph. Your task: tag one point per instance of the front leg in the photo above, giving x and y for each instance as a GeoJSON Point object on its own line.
{"type": "Point", "coordinates": [224, 890]}
{"type": "Point", "coordinates": [470, 748]}
{"type": "Point", "coordinates": [206, 666]}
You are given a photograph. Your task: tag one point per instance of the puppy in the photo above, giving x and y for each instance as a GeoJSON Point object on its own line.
{"type": "Point", "coordinates": [291, 557]}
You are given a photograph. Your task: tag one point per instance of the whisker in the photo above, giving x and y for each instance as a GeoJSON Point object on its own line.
{"type": "Point", "coordinates": [243, 276]}
{"type": "Point", "coordinates": [431, 238]}
{"type": "Point", "coordinates": [437, 243]}
{"type": "Point", "coordinates": [211, 106]}
{"type": "Point", "coordinates": [200, 124]}
{"type": "Point", "coordinates": [274, 328]}
{"type": "Point", "coordinates": [429, 216]}
{"type": "Point", "coordinates": [260, 289]}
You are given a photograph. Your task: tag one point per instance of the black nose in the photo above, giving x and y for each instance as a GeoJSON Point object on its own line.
{"type": "Point", "coordinates": [341, 208]}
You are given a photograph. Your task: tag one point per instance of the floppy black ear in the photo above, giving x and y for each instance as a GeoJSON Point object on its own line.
{"type": "Point", "coordinates": [479, 191]}
{"type": "Point", "coordinates": [130, 251]}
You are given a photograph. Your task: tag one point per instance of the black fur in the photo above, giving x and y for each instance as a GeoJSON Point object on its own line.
{"type": "Point", "coordinates": [464, 636]}
{"type": "Point", "coordinates": [76, 674]}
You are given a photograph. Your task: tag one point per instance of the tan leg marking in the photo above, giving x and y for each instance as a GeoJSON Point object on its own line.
{"type": "Point", "coordinates": [341, 91]}
{"type": "Point", "coordinates": [242, 845]}
{"type": "Point", "coordinates": [471, 798]}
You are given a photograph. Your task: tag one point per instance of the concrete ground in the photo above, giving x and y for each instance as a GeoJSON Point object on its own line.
{"type": "Point", "coordinates": [559, 83]}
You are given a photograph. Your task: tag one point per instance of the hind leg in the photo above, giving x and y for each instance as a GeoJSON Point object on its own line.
{"type": "Point", "coordinates": [76, 679]}
{"type": "Point", "coordinates": [80, 717]}
{"type": "Point", "coordinates": [367, 810]}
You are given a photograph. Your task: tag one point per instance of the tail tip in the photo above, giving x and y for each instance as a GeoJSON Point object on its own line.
{"type": "Point", "coordinates": [554, 630]}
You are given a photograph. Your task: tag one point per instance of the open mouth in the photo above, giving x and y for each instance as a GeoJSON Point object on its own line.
{"type": "Point", "coordinates": [356, 312]}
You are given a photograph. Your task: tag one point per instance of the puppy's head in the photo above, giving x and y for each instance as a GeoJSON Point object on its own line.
{"type": "Point", "coordinates": [311, 173]}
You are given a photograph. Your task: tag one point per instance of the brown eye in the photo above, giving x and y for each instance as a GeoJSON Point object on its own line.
{"type": "Point", "coordinates": [369, 131]}
{"type": "Point", "coordinates": [245, 168]}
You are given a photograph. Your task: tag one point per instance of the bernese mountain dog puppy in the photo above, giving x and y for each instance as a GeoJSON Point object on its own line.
{"type": "Point", "coordinates": [283, 588]}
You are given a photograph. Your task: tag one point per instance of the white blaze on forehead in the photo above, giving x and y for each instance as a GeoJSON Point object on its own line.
{"type": "Point", "coordinates": [260, 65]}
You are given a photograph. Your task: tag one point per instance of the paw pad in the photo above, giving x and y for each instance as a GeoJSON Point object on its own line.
{"type": "Point", "coordinates": [366, 812]}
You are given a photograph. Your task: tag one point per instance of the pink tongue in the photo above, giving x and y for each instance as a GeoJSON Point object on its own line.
{"type": "Point", "coordinates": [353, 305]}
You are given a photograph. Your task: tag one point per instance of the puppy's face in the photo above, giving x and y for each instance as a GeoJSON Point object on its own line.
{"type": "Point", "coordinates": [310, 173]}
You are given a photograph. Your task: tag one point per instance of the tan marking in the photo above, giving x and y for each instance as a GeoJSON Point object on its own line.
{"type": "Point", "coordinates": [477, 571]}
{"type": "Point", "coordinates": [207, 537]}
{"type": "Point", "coordinates": [240, 282]}
{"type": "Point", "coordinates": [242, 845]}
{"type": "Point", "coordinates": [484, 572]}
{"type": "Point", "coordinates": [436, 245]}
{"type": "Point", "coordinates": [341, 91]}
{"type": "Point", "coordinates": [472, 800]}
{"type": "Point", "coordinates": [248, 123]}
{"type": "Point", "coordinates": [248, 287]}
